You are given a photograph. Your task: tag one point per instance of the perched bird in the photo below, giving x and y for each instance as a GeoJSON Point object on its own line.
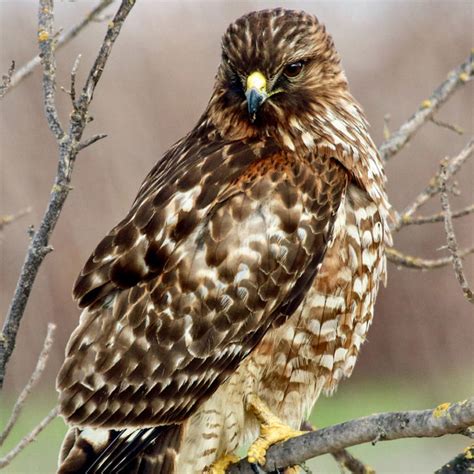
{"type": "Point", "coordinates": [242, 282]}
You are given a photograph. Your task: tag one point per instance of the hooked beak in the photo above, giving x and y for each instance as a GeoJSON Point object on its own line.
{"type": "Point", "coordinates": [256, 93]}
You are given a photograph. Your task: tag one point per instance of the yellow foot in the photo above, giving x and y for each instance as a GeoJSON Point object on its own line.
{"type": "Point", "coordinates": [293, 470]}
{"type": "Point", "coordinates": [272, 430]}
{"type": "Point", "coordinates": [221, 465]}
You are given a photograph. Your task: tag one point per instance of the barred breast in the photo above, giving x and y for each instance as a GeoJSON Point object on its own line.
{"type": "Point", "coordinates": [311, 352]}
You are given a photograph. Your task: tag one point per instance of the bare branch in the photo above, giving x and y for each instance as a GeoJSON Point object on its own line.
{"type": "Point", "coordinates": [63, 39]}
{"type": "Point", "coordinates": [35, 376]}
{"type": "Point", "coordinates": [90, 141]}
{"type": "Point", "coordinates": [7, 80]}
{"type": "Point", "coordinates": [456, 78]}
{"type": "Point", "coordinates": [453, 165]}
{"type": "Point", "coordinates": [417, 263]}
{"type": "Point", "coordinates": [46, 46]}
{"type": "Point", "coordinates": [386, 129]}
{"type": "Point", "coordinates": [438, 217]}
{"type": "Point", "coordinates": [343, 457]}
{"type": "Point", "coordinates": [72, 91]}
{"type": "Point", "coordinates": [451, 237]}
{"type": "Point", "coordinates": [9, 218]}
{"type": "Point", "coordinates": [67, 148]}
{"type": "Point", "coordinates": [434, 186]}
{"type": "Point", "coordinates": [450, 126]}
{"type": "Point", "coordinates": [448, 418]}
{"type": "Point", "coordinates": [8, 458]}
{"type": "Point", "coordinates": [346, 460]}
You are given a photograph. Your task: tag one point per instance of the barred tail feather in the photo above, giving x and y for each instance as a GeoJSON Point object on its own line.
{"type": "Point", "coordinates": [139, 451]}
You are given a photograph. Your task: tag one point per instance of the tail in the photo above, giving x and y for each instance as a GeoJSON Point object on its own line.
{"type": "Point", "coordinates": [139, 451]}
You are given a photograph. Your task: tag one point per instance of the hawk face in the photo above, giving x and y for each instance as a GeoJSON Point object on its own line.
{"type": "Point", "coordinates": [276, 65]}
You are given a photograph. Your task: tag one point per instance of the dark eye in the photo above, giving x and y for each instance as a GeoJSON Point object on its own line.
{"type": "Point", "coordinates": [293, 69]}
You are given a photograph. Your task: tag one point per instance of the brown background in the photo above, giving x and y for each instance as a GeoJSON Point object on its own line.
{"type": "Point", "coordinates": [155, 86]}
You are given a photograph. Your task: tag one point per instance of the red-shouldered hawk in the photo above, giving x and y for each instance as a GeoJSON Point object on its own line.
{"type": "Point", "coordinates": [242, 282]}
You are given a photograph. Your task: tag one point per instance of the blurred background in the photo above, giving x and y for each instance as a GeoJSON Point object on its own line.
{"type": "Point", "coordinates": [420, 350]}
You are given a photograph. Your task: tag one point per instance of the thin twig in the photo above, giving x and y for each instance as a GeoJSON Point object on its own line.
{"type": "Point", "coordinates": [72, 92]}
{"type": "Point", "coordinates": [450, 126]}
{"type": "Point", "coordinates": [63, 39]}
{"type": "Point", "coordinates": [46, 43]}
{"type": "Point", "coordinates": [35, 376]}
{"type": "Point", "coordinates": [438, 217]}
{"type": "Point", "coordinates": [67, 148]}
{"type": "Point", "coordinates": [8, 458]}
{"type": "Point", "coordinates": [417, 263]}
{"type": "Point", "coordinates": [448, 418]}
{"type": "Point", "coordinates": [346, 460]}
{"type": "Point", "coordinates": [9, 218]}
{"type": "Point", "coordinates": [434, 186]}
{"type": "Point", "coordinates": [454, 164]}
{"type": "Point", "coordinates": [451, 236]}
{"type": "Point", "coordinates": [7, 80]}
{"type": "Point", "coordinates": [75, 67]}
{"type": "Point", "coordinates": [456, 78]}
{"type": "Point", "coordinates": [386, 129]}
{"type": "Point", "coordinates": [89, 141]}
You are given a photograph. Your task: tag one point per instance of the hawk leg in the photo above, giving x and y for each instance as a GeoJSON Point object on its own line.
{"type": "Point", "coordinates": [220, 466]}
{"type": "Point", "coordinates": [272, 430]}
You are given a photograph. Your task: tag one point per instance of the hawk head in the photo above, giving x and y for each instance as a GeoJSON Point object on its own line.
{"type": "Point", "coordinates": [277, 65]}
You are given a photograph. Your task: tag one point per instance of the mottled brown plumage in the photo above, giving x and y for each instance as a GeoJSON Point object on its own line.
{"type": "Point", "coordinates": [248, 263]}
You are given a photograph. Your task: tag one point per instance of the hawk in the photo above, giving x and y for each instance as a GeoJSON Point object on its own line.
{"type": "Point", "coordinates": [242, 282]}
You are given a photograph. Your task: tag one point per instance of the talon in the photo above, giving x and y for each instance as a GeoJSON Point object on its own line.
{"type": "Point", "coordinates": [220, 466]}
{"type": "Point", "coordinates": [293, 470]}
{"type": "Point", "coordinates": [272, 430]}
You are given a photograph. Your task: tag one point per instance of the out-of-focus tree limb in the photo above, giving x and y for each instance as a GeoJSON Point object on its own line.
{"type": "Point", "coordinates": [417, 263]}
{"type": "Point", "coordinates": [68, 144]}
{"type": "Point", "coordinates": [35, 377]}
{"type": "Point", "coordinates": [395, 142]}
{"type": "Point", "coordinates": [456, 78]}
{"type": "Point", "coordinates": [9, 218]}
{"type": "Point", "coordinates": [448, 418]}
{"type": "Point", "coordinates": [7, 80]}
{"type": "Point", "coordinates": [437, 186]}
{"type": "Point", "coordinates": [438, 217]}
{"type": "Point", "coordinates": [451, 236]}
{"type": "Point", "coordinates": [434, 185]}
{"type": "Point", "coordinates": [63, 39]}
{"type": "Point", "coordinates": [29, 438]}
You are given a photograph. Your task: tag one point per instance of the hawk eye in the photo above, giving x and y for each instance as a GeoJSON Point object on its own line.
{"type": "Point", "coordinates": [293, 69]}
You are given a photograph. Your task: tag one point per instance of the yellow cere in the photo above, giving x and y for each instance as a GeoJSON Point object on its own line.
{"type": "Point", "coordinates": [257, 80]}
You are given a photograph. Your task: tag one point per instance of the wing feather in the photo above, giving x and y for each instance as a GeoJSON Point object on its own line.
{"type": "Point", "coordinates": [185, 287]}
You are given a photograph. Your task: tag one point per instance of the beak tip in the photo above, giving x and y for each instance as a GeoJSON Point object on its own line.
{"type": "Point", "coordinates": [255, 99]}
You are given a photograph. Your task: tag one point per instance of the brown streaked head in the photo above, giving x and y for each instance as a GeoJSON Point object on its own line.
{"type": "Point", "coordinates": [275, 64]}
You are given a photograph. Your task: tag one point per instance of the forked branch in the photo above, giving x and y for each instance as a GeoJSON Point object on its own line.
{"type": "Point", "coordinates": [456, 79]}
{"type": "Point", "coordinates": [69, 143]}
{"type": "Point", "coordinates": [63, 39]}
